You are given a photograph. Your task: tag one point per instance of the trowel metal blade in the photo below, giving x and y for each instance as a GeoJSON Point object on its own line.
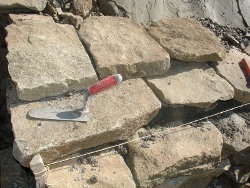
{"type": "Point", "coordinates": [59, 114]}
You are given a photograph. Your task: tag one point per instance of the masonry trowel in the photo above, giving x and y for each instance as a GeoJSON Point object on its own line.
{"type": "Point", "coordinates": [70, 114]}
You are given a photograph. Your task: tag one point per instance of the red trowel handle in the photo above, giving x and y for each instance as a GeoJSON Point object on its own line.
{"type": "Point", "coordinates": [246, 66]}
{"type": "Point", "coordinates": [104, 84]}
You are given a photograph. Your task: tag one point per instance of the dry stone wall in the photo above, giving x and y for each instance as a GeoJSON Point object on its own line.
{"type": "Point", "coordinates": [55, 54]}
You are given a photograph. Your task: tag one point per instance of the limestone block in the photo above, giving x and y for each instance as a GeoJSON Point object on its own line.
{"type": "Point", "coordinates": [109, 170]}
{"type": "Point", "coordinates": [118, 45]}
{"type": "Point", "coordinates": [82, 7]}
{"type": "Point", "coordinates": [32, 5]}
{"type": "Point", "coordinates": [115, 114]}
{"type": "Point", "coordinates": [231, 70]}
{"type": "Point", "coordinates": [178, 151]}
{"type": "Point", "coordinates": [46, 59]}
{"type": "Point", "coordinates": [192, 84]}
{"type": "Point", "coordinates": [187, 40]}
{"type": "Point", "coordinates": [21, 18]}
{"type": "Point", "coordinates": [236, 134]}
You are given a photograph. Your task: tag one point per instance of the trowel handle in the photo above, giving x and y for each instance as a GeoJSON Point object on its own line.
{"type": "Point", "coordinates": [246, 66]}
{"type": "Point", "coordinates": [104, 84]}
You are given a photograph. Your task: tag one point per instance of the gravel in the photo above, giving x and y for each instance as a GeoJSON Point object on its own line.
{"type": "Point", "coordinates": [230, 37]}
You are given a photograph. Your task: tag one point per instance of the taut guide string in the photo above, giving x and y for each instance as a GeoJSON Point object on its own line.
{"type": "Point", "coordinates": [139, 139]}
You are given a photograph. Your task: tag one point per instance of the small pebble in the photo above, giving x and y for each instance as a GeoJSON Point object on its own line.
{"type": "Point", "coordinates": [83, 170]}
{"type": "Point", "coordinates": [144, 145]}
{"type": "Point", "coordinates": [93, 179]}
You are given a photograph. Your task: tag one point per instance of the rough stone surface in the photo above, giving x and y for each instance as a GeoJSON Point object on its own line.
{"type": "Point", "coordinates": [192, 84]}
{"type": "Point", "coordinates": [69, 18]}
{"type": "Point", "coordinates": [32, 5]}
{"type": "Point", "coordinates": [196, 180]}
{"type": "Point", "coordinates": [118, 45]}
{"type": "Point", "coordinates": [247, 50]}
{"type": "Point", "coordinates": [187, 40]}
{"type": "Point", "coordinates": [178, 151]}
{"type": "Point", "coordinates": [82, 7]}
{"type": "Point", "coordinates": [12, 173]}
{"type": "Point", "coordinates": [110, 170]}
{"type": "Point", "coordinates": [23, 18]}
{"type": "Point", "coordinates": [244, 6]}
{"type": "Point", "coordinates": [223, 12]}
{"type": "Point", "coordinates": [236, 134]}
{"type": "Point", "coordinates": [46, 59]}
{"type": "Point", "coordinates": [115, 114]}
{"type": "Point", "coordinates": [234, 74]}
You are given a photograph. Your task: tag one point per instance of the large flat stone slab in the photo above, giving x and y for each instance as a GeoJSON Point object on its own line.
{"type": "Point", "coordinates": [46, 58]}
{"type": "Point", "coordinates": [118, 45]}
{"type": "Point", "coordinates": [115, 114]}
{"type": "Point", "coordinates": [179, 151]}
{"type": "Point", "coordinates": [187, 40]}
{"type": "Point", "coordinates": [192, 84]}
{"type": "Point", "coordinates": [234, 74]}
{"type": "Point", "coordinates": [109, 169]}
{"type": "Point", "coordinates": [22, 5]}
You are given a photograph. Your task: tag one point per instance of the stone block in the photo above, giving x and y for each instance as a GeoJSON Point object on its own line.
{"type": "Point", "coordinates": [234, 73]}
{"type": "Point", "coordinates": [235, 132]}
{"type": "Point", "coordinates": [107, 170]}
{"type": "Point", "coordinates": [192, 84]}
{"type": "Point", "coordinates": [187, 40]}
{"type": "Point", "coordinates": [178, 151]}
{"type": "Point", "coordinates": [115, 114]}
{"type": "Point", "coordinates": [46, 59]}
{"type": "Point", "coordinates": [22, 5]}
{"type": "Point", "coordinates": [118, 45]}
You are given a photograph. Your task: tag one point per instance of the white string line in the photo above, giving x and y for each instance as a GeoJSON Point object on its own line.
{"type": "Point", "coordinates": [46, 170]}
{"type": "Point", "coordinates": [36, 173]}
{"type": "Point", "coordinates": [51, 184]}
{"type": "Point", "coordinates": [141, 138]}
